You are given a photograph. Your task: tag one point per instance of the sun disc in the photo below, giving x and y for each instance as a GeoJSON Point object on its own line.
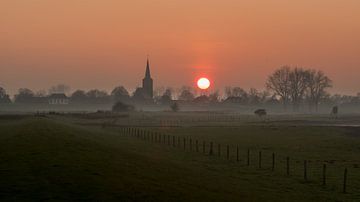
{"type": "Point", "coordinates": [203, 83]}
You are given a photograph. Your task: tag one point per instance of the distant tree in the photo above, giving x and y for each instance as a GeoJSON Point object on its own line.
{"type": "Point", "coordinates": [254, 96]}
{"type": "Point", "coordinates": [318, 82]}
{"type": "Point", "coordinates": [166, 98]}
{"type": "Point", "coordinates": [4, 97]}
{"type": "Point", "coordinates": [120, 94]}
{"type": "Point", "coordinates": [79, 96]}
{"type": "Point", "coordinates": [159, 91]}
{"type": "Point", "coordinates": [202, 99]}
{"type": "Point", "coordinates": [237, 95]}
{"type": "Point", "coordinates": [122, 107]}
{"type": "Point", "coordinates": [214, 97]}
{"type": "Point", "coordinates": [95, 93]}
{"type": "Point", "coordinates": [174, 107]}
{"type": "Point", "coordinates": [265, 96]}
{"type": "Point", "coordinates": [138, 95]}
{"type": "Point", "coordinates": [24, 95]}
{"type": "Point", "coordinates": [279, 83]}
{"type": "Point", "coordinates": [186, 94]}
{"type": "Point", "coordinates": [235, 92]}
{"type": "Point", "coordinates": [298, 86]}
{"type": "Point", "coordinates": [97, 96]}
{"type": "Point", "coordinates": [60, 88]}
{"type": "Point", "coordinates": [40, 93]}
{"type": "Point", "coordinates": [260, 112]}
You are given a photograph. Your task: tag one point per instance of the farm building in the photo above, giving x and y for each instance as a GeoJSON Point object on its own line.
{"type": "Point", "coordinates": [58, 99]}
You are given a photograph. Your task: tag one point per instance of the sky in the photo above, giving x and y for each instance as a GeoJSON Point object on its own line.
{"type": "Point", "coordinates": [101, 44]}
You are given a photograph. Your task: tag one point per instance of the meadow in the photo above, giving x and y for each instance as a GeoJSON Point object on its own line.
{"type": "Point", "coordinates": [138, 157]}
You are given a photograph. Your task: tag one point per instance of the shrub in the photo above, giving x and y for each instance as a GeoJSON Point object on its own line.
{"type": "Point", "coordinates": [122, 107]}
{"type": "Point", "coordinates": [260, 112]}
{"type": "Point", "coordinates": [174, 107]}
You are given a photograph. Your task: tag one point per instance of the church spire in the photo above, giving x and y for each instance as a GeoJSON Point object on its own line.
{"type": "Point", "coordinates": [147, 73]}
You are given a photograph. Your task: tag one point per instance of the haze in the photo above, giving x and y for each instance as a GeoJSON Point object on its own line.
{"type": "Point", "coordinates": [101, 44]}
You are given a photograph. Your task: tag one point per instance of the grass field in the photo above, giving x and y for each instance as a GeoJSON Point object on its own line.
{"type": "Point", "coordinates": [91, 158]}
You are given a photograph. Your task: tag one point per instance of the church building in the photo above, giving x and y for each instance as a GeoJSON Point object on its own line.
{"type": "Point", "coordinates": [145, 93]}
{"type": "Point", "coordinates": [147, 83]}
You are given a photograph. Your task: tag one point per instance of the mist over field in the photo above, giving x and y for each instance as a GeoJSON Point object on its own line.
{"type": "Point", "coordinates": [181, 100]}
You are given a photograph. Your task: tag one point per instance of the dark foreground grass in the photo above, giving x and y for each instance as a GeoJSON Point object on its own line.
{"type": "Point", "coordinates": [42, 159]}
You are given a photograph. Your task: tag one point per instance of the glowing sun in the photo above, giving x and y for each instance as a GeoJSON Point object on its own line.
{"type": "Point", "coordinates": [203, 83]}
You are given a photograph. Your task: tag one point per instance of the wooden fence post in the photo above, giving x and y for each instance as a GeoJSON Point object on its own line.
{"type": "Point", "coordinates": [173, 140]}
{"type": "Point", "coordinates": [248, 157]}
{"type": "Point", "coordinates": [190, 142]}
{"type": "Point", "coordinates": [273, 162]}
{"type": "Point", "coordinates": [324, 175]}
{"type": "Point", "coordinates": [184, 143]}
{"type": "Point", "coordinates": [237, 153]}
{"type": "Point", "coordinates": [179, 142]}
{"type": "Point", "coordinates": [197, 146]}
{"type": "Point", "coordinates": [345, 180]}
{"type": "Point", "coordinates": [219, 150]}
{"type": "Point", "coordinates": [211, 149]}
{"type": "Point", "coordinates": [204, 147]}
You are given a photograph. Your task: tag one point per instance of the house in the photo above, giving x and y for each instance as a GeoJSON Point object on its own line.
{"type": "Point", "coordinates": [58, 99]}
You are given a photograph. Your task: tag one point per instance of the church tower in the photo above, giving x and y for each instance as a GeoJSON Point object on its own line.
{"type": "Point", "coordinates": [147, 86]}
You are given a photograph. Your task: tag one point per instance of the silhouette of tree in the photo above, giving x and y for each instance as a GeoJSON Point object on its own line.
{"type": "Point", "coordinates": [280, 84]}
{"type": "Point", "coordinates": [24, 95]}
{"type": "Point", "coordinates": [4, 97]}
{"type": "Point", "coordinates": [236, 95]}
{"type": "Point", "coordinates": [122, 107]}
{"type": "Point", "coordinates": [138, 95]}
{"type": "Point", "coordinates": [318, 82]}
{"type": "Point", "coordinates": [214, 97]}
{"type": "Point", "coordinates": [120, 94]}
{"type": "Point", "coordinates": [79, 96]}
{"type": "Point", "coordinates": [235, 92]}
{"type": "Point", "coordinates": [298, 86]}
{"type": "Point", "coordinates": [98, 96]}
{"type": "Point", "coordinates": [166, 98]}
{"type": "Point", "coordinates": [186, 94]}
{"type": "Point", "coordinates": [174, 107]}
{"type": "Point", "coordinates": [254, 96]}
{"type": "Point", "coordinates": [202, 99]}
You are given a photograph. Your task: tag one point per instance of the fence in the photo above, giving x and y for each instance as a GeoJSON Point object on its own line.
{"type": "Point", "coordinates": [319, 172]}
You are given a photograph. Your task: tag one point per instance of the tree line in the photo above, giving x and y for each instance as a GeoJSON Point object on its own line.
{"type": "Point", "coordinates": [287, 86]}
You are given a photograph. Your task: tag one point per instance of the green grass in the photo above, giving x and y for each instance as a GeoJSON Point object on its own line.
{"type": "Point", "coordinates": [57, 159]}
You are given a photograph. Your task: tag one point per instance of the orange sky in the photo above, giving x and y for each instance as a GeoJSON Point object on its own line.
{"type": "Point", "coordinates": [104, 43]}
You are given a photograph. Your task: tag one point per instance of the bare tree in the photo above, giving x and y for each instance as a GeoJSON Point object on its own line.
{"type": "Point", "coordinates": [186, 94]}
{"type": "Point", "coordinates": [298, 86]}
{"type": "Point", "coordinates": [318, 82]}
{"type": "Point", "coordinates": [4, 97]}
{"type": "Point", "coordinates": [214, 97]}
{"type": "Point", "coordinates": [279, 83]}
{"type": "Point", "coordinates": [254, 96]}
{"type": "Point", "coordinates": [166, 98]}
